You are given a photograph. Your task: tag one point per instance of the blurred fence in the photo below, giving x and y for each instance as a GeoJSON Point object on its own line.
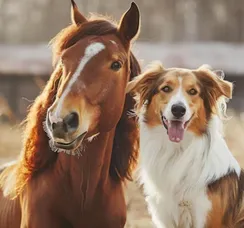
{"type": "Point", "coordinates": [29, 21]}
{"type": "Point", "coordinates": [25, 68]}
{"type": "Point", "coordinates": [181, 33]}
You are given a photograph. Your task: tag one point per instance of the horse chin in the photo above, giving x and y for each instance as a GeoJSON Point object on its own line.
{"type": "Point", "coordinates": [73, 145]}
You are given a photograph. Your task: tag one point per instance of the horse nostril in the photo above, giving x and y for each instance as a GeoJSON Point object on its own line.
{"type": "Point", "coordinates": [53, 126]}
{"type": "Point", "coordinates": [178, 110]}
{"type": "Point", "coordinates": [71, 122]}
{"type": "Point", "coordinates": [58, 129]}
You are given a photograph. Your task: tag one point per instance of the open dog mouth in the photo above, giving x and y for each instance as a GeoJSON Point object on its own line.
{"type": "Point", "coordinates": [175, 128]}
{"type": "Point", "coordinates": [71, 145]}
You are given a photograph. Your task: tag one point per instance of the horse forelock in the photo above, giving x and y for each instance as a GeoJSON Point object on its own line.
{"type": "Point", "coordinates": [72, 34]}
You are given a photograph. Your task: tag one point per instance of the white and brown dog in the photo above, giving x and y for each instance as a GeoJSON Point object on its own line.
{"type": "Point", "coordinates": [190, 177]}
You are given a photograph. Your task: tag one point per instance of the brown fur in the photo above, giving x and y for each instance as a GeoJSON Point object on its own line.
{"type": "Point", "coordinates": [227, 199]}
{"type": "Point", "coordinates": [212, 88]}
{"type": "Point", "coordinates": [78, 192]}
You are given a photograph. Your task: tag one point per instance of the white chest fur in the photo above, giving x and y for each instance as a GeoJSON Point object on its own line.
{"type": "Point", "coordinates": [175, 175]}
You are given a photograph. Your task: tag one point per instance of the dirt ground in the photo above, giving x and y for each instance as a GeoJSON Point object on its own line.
{"type": "Point", "coordinates": [10, 144]}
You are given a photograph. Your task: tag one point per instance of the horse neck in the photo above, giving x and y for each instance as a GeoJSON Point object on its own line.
{"type": "Point", "coordinates": [91, 168]}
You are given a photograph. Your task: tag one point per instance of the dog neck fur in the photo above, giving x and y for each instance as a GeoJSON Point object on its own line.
{"type": "Point", "coordinates": [180, 172]}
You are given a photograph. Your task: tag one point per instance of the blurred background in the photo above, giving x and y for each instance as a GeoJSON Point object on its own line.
{"type": "Point", "coordinates": [180, 33]}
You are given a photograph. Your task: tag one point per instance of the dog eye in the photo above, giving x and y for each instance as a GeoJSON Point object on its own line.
{"type": "Point", "coordinates": [116, 65]}
{"type": "Point", "coordinates": [192, 92]}
{"type": "Point", "coordinates": [166, 89]}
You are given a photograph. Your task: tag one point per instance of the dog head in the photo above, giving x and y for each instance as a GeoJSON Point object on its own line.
{"type": "Point", "coordinates": [179, 99]}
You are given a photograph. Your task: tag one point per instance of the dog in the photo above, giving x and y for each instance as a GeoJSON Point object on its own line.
{"type": "Point", "coordinates": [190, 177]}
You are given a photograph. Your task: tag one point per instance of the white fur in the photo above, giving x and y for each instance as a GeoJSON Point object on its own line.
{"type": "Point", "coordinates": [92, 137]}
{"type": "Point", "coordinates": [113, 42]}
{"type": "Point", "coordinates": [176, 99]}
{"type": "Point", "coordinates": [90, 51]}
{"type": "Point", "coordinates": [175, 175]}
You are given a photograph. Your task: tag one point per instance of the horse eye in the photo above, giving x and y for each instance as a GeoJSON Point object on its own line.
{"type": "Point", "coordinates": [192, 92]}
{"type": "Point", "coordinates": [116, 65]}
{"type": "Point", "coordinates": [166, 89]}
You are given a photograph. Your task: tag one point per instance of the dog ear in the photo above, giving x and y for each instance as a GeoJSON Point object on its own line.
{"type": "Point", "coordinates": [132, 85]}
{"type": "Point", "coordinates": [214, 83]}
{"type": "Point", "coordinates": [144, 80]}
{"type": "Point", "coordinates": [220, 73]}
{"type": "Point", "coordinates": [205, 66]}
{"type": "Point", "coordinates": [225, 88]}
{"type": "Point", "coordinates": [144, 86]}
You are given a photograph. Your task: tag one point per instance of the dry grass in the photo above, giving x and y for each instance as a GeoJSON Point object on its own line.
{"type": "Point", "coordinates": [10, 141]}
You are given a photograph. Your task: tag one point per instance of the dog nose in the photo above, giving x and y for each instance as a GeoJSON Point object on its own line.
{"type": "Point", "coordinates": [178, 110]}
{"type": "Point", "coordinates": [61, 127]}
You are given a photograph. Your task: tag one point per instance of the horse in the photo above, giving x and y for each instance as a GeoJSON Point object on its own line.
{"type": "Point", "coordinates": [80, 145]}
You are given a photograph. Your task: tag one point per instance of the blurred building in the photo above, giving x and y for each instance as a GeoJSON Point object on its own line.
{"type": "Point", "coordinates": [29, 21]}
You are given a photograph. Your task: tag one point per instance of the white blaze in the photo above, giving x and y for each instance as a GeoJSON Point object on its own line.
{"type": "Point", "coordinates": [176, 99]}
{"type": "Point", "coordinates": [90, 51]}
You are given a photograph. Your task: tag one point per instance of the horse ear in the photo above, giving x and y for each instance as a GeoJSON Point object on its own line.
{"type": "Point", "coordinates": [76, 17]}
{"type": "Point", "coordinates": [130, 23]}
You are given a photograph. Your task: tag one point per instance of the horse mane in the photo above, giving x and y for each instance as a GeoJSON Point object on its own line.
{"type": "Point", "coordinates": [126, 140]}
{"type": "Point", "coordinates": [36, 154]}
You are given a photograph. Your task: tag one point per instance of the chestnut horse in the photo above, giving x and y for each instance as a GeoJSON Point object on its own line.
{"type": "Point", "coordinates": [84, 110]}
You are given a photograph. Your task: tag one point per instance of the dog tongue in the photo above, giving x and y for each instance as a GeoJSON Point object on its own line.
{"type": "Point", "coordinates": [175, 131]}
